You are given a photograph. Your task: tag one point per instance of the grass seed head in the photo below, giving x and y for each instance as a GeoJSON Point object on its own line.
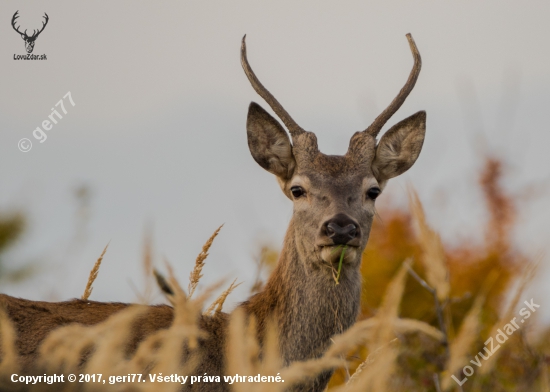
{"type": "Point", "coordinates": [93, 276]}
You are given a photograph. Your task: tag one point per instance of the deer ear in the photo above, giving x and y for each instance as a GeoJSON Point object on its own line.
{"type": "Point", "coordinates": [269, 143]}
{"type": "Point", "coordinates": [399, 148]}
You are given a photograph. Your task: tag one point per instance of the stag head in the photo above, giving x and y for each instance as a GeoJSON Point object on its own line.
{"type": "Point", "coordinates": [29, 40]}
{"type": "Point", "coordinates": [333, 196]}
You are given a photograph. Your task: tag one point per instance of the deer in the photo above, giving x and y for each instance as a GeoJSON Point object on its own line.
{"type": "Point", "coordinates": [333, 207]}
{"type": "Point", "coordinates": [29, 40]}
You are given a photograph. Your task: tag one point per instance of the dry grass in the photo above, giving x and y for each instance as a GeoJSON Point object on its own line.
{"type": "Point", "coordinates": [525, 279]}
{"type": "Point", "coordinates": [196, 274]}
{"type": "Point", "coordinates": [377, 374]}
{"type": "Point", "coordinates": [433, 257]}
{"type": "Point", "coordinates": [145, 297]}
{"type": "Point", "coordinates": [217, 305]}
{"type": "Point", "coordinates": [265, 261]}
{"type": "Point", "coordinates": [460, 347]}
{"type": "Point", "coordinates": [104, 344]}
{"type": "Point", "coordinates": [93, 275]}
{"type": "Point", "coordinates": [10, 361]}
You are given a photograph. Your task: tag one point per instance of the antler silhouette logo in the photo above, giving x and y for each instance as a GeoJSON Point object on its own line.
{"type": "Point", "coordinates": [29, 41]}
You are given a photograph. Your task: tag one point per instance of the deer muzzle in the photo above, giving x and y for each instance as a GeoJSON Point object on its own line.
{"type": "Point", "coordinates": [341, 230]}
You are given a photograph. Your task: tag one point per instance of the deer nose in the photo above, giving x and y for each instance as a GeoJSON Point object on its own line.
{"type": "Point", "coordinates": [341, 229]}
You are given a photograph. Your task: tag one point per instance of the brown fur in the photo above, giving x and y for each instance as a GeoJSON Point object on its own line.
{"type": "Point", "coordinates": [302, 296]}
{"type": "Point", "coordinates": [34, 320]}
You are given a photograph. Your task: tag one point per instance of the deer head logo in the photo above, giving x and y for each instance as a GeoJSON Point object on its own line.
{"type": "Point", "coordinates": [29, 40]}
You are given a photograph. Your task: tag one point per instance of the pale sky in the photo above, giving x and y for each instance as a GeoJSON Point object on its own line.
{"type": "Point", "coordinates": [158, 127]}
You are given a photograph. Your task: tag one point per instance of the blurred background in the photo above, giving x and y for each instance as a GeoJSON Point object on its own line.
{"type": "Point", "coordinates": [154, 155]}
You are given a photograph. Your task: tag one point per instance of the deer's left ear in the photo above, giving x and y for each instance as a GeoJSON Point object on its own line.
{"type": "Point", "coordinates": [399, 148]}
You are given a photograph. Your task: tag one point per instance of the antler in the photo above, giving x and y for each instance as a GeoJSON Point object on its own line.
{"type": "Point", "coordinates": [35, 33]}
{"type": "Point", "coordinates": [379, 122]}
{"type": "Point", "coordinates": [43, 26]}
{"type": "Point", "coordinates": [15, 16]}
{"type": "Point", "coordinates": [293, 128]}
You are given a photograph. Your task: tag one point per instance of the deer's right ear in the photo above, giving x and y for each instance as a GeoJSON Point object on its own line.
{"type": "Point", "coordinates": [269, 143]}
{"type": "Point", "coordinates": [399, 148]}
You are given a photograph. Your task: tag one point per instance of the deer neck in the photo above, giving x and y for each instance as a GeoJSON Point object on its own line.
{"type": "Point", "coordinates": [302, 297]}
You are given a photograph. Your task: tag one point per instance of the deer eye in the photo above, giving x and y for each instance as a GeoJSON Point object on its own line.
{"type": "Point", "coordinates": [297, 191]}
{"type": "Point", "coordinates": [373, 193]}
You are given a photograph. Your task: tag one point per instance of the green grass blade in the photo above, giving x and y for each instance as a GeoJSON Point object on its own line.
{"type": "Point", "coordinates": [340, 263]}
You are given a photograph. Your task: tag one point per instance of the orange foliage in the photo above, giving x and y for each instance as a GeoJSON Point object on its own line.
{"type": "Point", "coordinates": [393, 239]}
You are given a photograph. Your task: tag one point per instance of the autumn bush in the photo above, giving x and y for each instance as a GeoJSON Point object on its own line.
{"type": "Point", "coordinates": [493, 271]}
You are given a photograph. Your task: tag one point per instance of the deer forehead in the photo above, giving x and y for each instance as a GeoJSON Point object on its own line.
{"type": "Point", "coordinates": [338, 169]}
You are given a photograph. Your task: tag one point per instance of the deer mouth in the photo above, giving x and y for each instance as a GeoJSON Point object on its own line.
{"type": "Point", "coordinates": [334, 254]}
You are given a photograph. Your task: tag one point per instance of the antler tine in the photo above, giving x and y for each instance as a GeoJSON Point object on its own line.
{"type": "Point", "coordinates": [43, 25]}
{"type": "Point", "coordinates": [379, 122]}
{"type": "Point", "coordinates": [13, 20]}
{"type": "Point", "coordinates": [293, 128]}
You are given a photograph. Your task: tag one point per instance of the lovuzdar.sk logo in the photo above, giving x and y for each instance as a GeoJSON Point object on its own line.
{"type": "Point", "coordinates": [30, 40]}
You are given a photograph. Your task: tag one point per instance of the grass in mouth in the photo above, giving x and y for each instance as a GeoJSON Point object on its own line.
{"type": "Point", "coordinates": [342, 254]}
